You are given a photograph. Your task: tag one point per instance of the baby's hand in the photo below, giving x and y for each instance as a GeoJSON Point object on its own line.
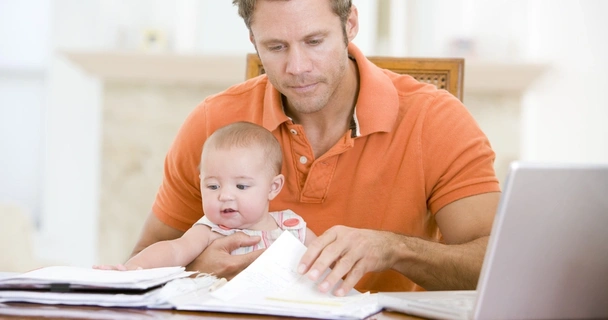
{"type": "Point", "coordinates": [119, 267]}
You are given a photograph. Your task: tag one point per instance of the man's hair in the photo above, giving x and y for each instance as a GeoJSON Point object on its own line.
{"type": "Point", "coordinates": [244, 135]}
{"type": "Point", "coordinates": [246, 7]}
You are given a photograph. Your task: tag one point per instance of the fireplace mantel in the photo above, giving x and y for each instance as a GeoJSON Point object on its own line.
{"type": "Point", "coordinates": [479, 76]}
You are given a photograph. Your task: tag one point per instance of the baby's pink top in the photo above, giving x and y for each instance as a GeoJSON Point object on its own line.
{"type": "Point", "coordinates": [287, 220]}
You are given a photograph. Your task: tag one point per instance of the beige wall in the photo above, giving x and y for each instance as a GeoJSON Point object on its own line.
{"type": "Point", "coordinates": [16, 239]}
{"type": "Point", "coordinates": [140, 120]}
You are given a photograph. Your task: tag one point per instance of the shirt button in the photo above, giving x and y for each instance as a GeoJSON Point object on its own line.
{"type": "Point", "coordinates": [303, 160]}
{"type": "Point", "coordinates": [293, 131]}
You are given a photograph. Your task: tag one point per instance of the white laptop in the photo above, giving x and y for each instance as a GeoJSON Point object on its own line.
{"type": "Point", "coordinates": [547, 257]}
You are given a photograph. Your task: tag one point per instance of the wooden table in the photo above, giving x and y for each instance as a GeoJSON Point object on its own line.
{"type": "Point", "coordinates": [37, 311]}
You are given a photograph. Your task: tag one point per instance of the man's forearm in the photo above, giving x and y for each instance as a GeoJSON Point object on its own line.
{"type": "Point", "coordinates": [436, 266]}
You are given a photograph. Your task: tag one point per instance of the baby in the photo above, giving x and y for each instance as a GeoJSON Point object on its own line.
{"type": "Point", "coordinates": [239, 174]}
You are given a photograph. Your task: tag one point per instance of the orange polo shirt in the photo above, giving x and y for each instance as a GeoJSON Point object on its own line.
{"type": "Point", "coordinates": [412, 150]}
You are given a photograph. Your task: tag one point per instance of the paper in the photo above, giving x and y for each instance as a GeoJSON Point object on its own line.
{"type": "Point", "coordinates": [273, 271]}
{"type": "Point", "coordinates": [271, 285]}
{"type": "Point", "coordinates": [81, 278]}
{"type": "Point", "coordinates": [157, 298]}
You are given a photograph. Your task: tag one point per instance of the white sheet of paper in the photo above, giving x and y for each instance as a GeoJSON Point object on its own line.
{"type": "Point", "coordinates": [273, 271]}
{"type": "Point", "coordinates": [271, 285]}
{"type": "Point", "coordinates": [79, 276]}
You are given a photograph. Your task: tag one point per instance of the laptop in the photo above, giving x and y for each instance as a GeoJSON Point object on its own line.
{"type": "Point", "coordinates": [547, 257]}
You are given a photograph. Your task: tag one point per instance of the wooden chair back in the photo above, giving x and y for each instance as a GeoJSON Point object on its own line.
{"type": "Point", "coordinates": [444, 73]}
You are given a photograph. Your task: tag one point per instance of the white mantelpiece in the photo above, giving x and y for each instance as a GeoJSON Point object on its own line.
{"type": "Point", "coordinates": [500, 78]}
{"type": "Point", "coordinates": [161, 67]}
{"type": "Point", "coordinates": [480, 77]}
{"type": "Point", "coordinates": [147, 97]}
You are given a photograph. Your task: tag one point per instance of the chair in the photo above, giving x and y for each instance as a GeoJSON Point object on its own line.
{"type": "Point", "coordinates": [444, 73]}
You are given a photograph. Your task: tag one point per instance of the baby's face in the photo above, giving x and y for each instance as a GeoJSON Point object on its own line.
{"type": "Point", "coordinates": [235, 187]}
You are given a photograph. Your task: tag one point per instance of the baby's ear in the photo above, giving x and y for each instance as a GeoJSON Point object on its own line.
{"type": "Point", "coordinates": [275, 187]}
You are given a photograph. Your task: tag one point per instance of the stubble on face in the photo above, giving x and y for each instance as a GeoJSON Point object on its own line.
{"type": "Point", "coordinates": [319, 85]}
{"type": "Point", "coordinates": [326, 85]}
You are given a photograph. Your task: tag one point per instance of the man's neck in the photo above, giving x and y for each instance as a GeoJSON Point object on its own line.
{"type": "Point", "coordinates": [325, 127]}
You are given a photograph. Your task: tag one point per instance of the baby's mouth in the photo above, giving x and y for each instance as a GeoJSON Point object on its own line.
{"type": "Point", "coordinates": [229, 210]}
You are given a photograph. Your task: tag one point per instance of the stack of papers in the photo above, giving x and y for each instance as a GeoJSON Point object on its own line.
{"type": "Point", "coordinates": [87, 286]}
{"type": "Point", "coordinates": [269, 286]}
{"type": "Point", "coordinates": [61, 278]}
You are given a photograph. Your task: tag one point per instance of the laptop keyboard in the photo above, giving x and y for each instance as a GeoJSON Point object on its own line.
{"type": "Point", "coordinates": [438, 305]}
{"type": "Point", "coordinates": [463, 302]}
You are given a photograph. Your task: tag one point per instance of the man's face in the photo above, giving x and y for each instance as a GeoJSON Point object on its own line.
{"type": "Point", "coordinates": [301, 45]}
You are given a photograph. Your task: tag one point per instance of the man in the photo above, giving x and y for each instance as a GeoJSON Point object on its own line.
{"type": "Point", "coordinates": [394, 175]}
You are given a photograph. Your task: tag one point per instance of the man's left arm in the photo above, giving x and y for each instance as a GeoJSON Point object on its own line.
{"type": "Point", "coordinates": [455, 264]}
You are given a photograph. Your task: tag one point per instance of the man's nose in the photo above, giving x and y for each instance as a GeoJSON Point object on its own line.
{"type": "Point", "coordinates": [298, 61]}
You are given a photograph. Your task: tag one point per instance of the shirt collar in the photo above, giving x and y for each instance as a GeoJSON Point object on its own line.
{"type": "Point", "coordinates": [274, 114]}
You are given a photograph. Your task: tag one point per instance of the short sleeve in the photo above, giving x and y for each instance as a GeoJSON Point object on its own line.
{"type": "Point", "coordinates": [458, 159]}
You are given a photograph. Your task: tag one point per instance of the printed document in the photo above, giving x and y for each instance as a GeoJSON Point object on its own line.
{"type": "Point", "coordinates": [271, 285]}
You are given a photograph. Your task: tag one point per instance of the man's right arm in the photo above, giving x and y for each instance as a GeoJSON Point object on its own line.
{"type": "Point", "coordinates": [153, 231]}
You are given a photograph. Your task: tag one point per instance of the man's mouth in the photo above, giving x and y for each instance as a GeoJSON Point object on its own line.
{"type": "Point", "coordinates": [303, 88]}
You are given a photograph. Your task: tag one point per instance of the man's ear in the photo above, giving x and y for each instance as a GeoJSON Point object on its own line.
{"type": "Point", "coordinates": [252, 39]}
{"type": "Point", "coordinates": [277, 184]}
{"type": "Point", "coordinates": [352, 23]}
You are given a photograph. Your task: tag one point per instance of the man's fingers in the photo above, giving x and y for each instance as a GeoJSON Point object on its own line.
{"type": "Point", "coordinates": [239, 263]}
{"type": "Point", "coordinates": [342, 267]}
{"type": "Point", "coordinates": [235, 241]}
{"type": "Point", "coordinates": [248, 258]}
{"type": "Point", "coordinates": [353, 276]}
{"type": "Point", "coordinates": [216, 258]}
{"type": "Point", "coordinates": [348, 253]}
{"type": "Point", "coordinates": [313, 252]}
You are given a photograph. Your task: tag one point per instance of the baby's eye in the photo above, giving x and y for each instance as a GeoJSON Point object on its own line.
{"type": "Point", "coordinates": [241, 186]}
{"type": "Point", "coordinates": [213, 187]}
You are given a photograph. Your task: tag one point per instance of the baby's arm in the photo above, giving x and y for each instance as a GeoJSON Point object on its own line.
{"type": "Point", "coordinates": [310, 236]}
{"type": "Point", "coordinates": [169, 253]}
{"type": "Point", "coordinates": [177, 252]}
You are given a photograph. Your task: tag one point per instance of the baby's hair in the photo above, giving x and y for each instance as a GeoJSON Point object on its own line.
{"type": "Point", "coordinates": [247, 134]}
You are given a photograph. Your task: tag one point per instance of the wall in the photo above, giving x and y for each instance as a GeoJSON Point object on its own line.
{"type": "Point", "coordinates": [69, 220]}
{"type": "Point", "coordinates": [140, 121]}
{"type": "Point", "coordinates": [566, 112]}
{"type": "Point", "coordinates": [24, 59]}
{"type": "Point", "coordinates": [563, 114]}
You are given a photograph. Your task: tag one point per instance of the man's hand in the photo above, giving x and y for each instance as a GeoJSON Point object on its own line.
{"type": "Point", "coordinates": [465, 225]}
{"type": "Point", "coordinates": [349, 252]}
{"type": "Point", "coordinates": [216, 258]}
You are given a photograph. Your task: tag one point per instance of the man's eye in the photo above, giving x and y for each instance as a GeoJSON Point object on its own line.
{"type": "Point", "coordinates": [241, 186]}
{"type": "Point", "coordinates": [275, 48]}
{"type": "Point", "coordinates": [314, 42]}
